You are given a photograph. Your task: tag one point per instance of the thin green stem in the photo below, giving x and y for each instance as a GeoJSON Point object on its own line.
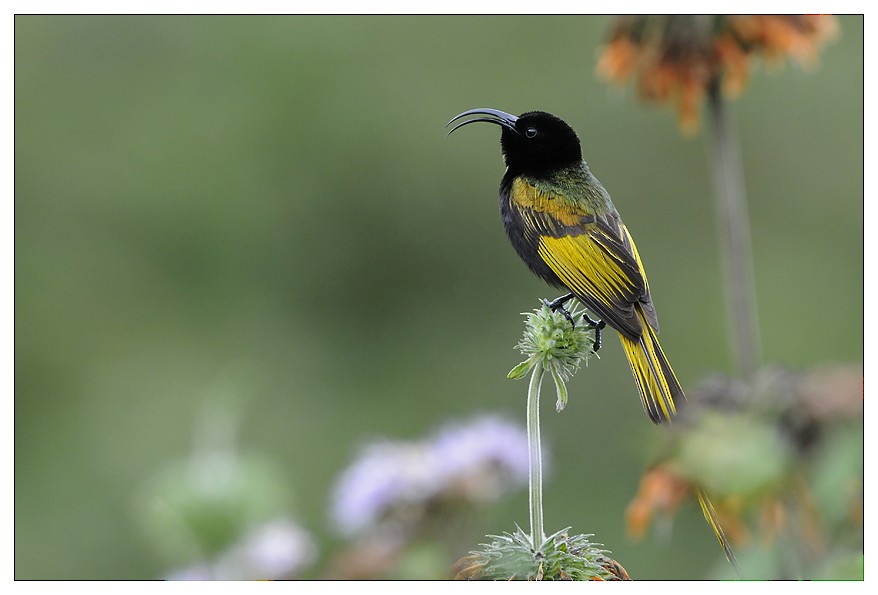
{"type": "Point", "coordinates": [537, 532]}
{"type": "Point", "coordinates": [734, 230]}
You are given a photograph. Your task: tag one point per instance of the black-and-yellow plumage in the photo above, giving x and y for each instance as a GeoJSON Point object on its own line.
{"type": "Point", "coordinates": [579, 243]}
{"type": "Point", "coordinates": [563, 224]}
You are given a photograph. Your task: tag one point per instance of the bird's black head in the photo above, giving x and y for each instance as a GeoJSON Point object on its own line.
{"type": "Point", "coordinates": [534, 142]}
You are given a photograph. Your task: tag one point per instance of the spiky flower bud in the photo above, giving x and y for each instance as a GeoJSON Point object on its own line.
{"type": "Point", "coordinates": [553, 344]}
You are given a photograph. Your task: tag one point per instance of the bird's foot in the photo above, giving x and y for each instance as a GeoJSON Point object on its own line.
{"type": "Point", "coordinates": [557, 305]}
{"type": "Point", "coordinates": [598, 326]}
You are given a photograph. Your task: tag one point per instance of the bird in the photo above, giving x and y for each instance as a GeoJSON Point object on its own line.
{"type": "Point", "coordinates": [562, 223]}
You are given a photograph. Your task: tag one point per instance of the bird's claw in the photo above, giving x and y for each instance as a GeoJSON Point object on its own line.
{"type": "Point", "coordinates": [557, 305]}
{"type": "Point", "coordinates": [597, 326]}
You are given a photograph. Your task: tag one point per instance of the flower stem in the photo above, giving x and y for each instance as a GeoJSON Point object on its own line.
{"type": "Point", "coordinates": [537, 532]}
{"type": "Point", "coordinates": [734, 230]}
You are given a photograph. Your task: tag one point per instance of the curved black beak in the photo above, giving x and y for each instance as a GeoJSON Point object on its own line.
{"type": "Point", "coordinates": [503, 119]}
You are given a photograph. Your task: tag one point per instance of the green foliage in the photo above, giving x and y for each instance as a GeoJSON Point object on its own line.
{"type": "Point", "coordinates": [758, 460]}
{"type": "Point", "coordinates": [837, 467]}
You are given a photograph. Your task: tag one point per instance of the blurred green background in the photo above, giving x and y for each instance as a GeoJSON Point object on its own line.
{"type": "Point", "coordinates": [268, 207]}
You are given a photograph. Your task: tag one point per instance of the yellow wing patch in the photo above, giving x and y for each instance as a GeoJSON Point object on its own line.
{"type": "Point", "coordinates": [527, 197]}
{"type": "Point", "coordinates": [592, 255]}
{"type": "Point", "coordinates": [588, 269]}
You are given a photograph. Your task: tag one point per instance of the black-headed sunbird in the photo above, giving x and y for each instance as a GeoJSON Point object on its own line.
{"type": "Point", "coordinates": [562, 222]}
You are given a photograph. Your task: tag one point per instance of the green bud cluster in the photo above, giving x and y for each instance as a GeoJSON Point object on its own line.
{"type": "Point", "coordinates": [551, 343]}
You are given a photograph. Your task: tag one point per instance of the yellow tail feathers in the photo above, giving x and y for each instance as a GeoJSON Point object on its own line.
{"type": "Point", "coordinates": [658, 386]}
{"type": "Point", "coordinates": [712, 520]}
{"type": "Point", "coordinates": [660, 391]}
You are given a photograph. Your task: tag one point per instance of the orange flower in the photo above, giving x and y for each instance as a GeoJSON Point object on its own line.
{"type": "Point", "coordinates": [661, 491]}
{"type": "Point", "coordinates": [677, 58]}
{"type": "Point", "coordinates": [798, 37]}
{"type": "Point", "coordinates": [814, 411]}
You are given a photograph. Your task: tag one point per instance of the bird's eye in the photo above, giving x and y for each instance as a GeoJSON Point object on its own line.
{"type": "Point", "coordinates": [530, 132]}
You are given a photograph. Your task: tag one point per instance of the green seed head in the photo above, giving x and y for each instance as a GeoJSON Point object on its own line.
{"type": "Point", "coordinates": [552, 344]}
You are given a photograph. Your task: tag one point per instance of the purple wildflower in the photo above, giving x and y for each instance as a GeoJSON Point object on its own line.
{"type": "Point", "coordinates": [483, 458]}
{"type": "Point", "coordinates": [476, 461]}
{"type": "Point", "coordinates": [387, 474]}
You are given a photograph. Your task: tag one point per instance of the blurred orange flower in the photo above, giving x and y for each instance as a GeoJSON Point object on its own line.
{"type": "Point", "coordinates": [677, 58]}
{"type": "Point", "coordinates": [814, 498]}
{"type": "Point", "coordinates": [662, 491]}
